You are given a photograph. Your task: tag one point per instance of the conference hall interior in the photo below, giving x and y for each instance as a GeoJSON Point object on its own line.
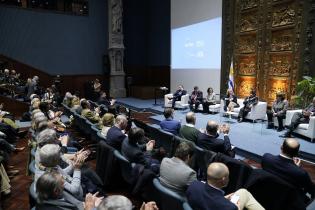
{"type": "Point", "coordinates": [157, 104]}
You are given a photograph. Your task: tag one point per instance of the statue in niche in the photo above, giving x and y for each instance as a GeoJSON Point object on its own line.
{"type": "Point", "coordinates": [247, 44]}
{"type": "Point", "coordinates": [282, 42]}
{"type": "Point", "coordinates": [247, 68]}
{"type": "Point", "coordinates": [284, 16]}
{"type": "Point", "coordinates": [116, 16]}
{"type": "Point", "coordinates": [280, 66]}
{"type": "Point", "coordinates": [248, 23]}
{"type": "Point", "coordinates": [247, 4]}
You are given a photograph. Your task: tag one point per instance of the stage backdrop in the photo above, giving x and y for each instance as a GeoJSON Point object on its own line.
{"type": "Point", "coordinates": [196, 28]}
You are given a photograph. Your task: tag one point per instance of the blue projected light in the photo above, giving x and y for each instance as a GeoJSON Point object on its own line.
{"type": "Point", "coordinates": [197, 46]}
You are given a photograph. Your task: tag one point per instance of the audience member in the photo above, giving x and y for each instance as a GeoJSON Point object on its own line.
{"type": "Point", "coordinates": [249, 102]}
{"type": "Point", "coordinates": [278, 110]}
{"type": "Point", "coordinates": [189, 131]}
{"type": "Point", "coordinates": [299, 118]}
{"type": "Point", "coordinates": [178, 95]}
{"type": "Point", "coordinates": [51, 195]}
{"type": "Point", "coordinates": [175, 172]}
{"type": "Point", "coordinates": [49, 159]}
{"type": "Point", "coordinates": [209, 100]}
{"type": "Point", "coordinates": [208, 196]}
{"type": "Point", "coordinates": [287, 166]}
{"type": "Point", "coordinates": [139, 153]}
{"type": "Point", "coordinates": [209, 139]}
{"type": "Point", "coordinates": [169, 124]}
{"type": "Point", "coordinates": [88, 114]}
{"type": "Point", "coordinates": [196, 99]}
{"type": "Point", "coordinates": [108, 120]}
{"type": "Point", "coordinates": [119, 202]}
{"type": "Point", "coordinates": [116, 134]}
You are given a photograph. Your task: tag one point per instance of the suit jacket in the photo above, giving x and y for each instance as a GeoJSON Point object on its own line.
{"type": "Point", "coordinates": [135, 153]}
{"type": "Point", "coordinates": [202, 196]}
{"type": "Point", "coordinates": [115, 137]}
{"type": "Point", "coordinates": [214, 144]}
{"type": "Point", "coordinates": [88, 114]}
{"type": "Point", "coordinates": [170, 125]}
{"type": "Point", "coordinates": [287, 170]}
{"type": "Point", "coordinates": [190, 133]}
{"type": "Point", "coordinates": [196, 96]}
{"type": "Point", "coordinates": [176, 175]}
{"type": "Point", "coordinates": [179, 93]}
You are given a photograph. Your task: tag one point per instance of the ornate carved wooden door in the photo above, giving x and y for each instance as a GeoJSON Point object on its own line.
{"type": "Point", "coordinates": [267, 46]}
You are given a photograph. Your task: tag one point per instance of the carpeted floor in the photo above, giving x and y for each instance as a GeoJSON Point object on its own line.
{"type": "Point", "coordinates": [252, 137]}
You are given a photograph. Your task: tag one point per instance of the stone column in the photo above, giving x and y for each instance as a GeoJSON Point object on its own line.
{"type": "Point", "coordinates": [116, 49]}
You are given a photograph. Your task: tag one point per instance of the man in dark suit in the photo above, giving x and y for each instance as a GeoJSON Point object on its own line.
{"type": "Point", "coordinates": [287, 166]}
{"type": "Point", "coordinates": [116, 134]}
{"type": "Point", "coordinates": [299, 118]}
{"type": "Point", "coordinates": [178, 95]}
{"type": "Point", "coordinates": [196, 98]}
{"type": "Point", "coordinates": [209, 196]}
{"type": "Point", "coordinates": [139, 153]}
{"type": "Point", "coordinates": [209, 139]}
{"type": "Point", "coordinates": [169, 124]}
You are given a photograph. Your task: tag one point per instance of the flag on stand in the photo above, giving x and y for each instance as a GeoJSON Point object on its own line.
{"type": "Point", "coordinates": [231, 77]}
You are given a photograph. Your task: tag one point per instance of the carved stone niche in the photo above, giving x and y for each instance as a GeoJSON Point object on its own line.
{"type": "Point", "coordinates": [248, 22]}
{"type": "Point", "coordinates": [280, 65]}
{"type": "Point", "coordinates": [117, 74]}
{"type": "Point", "coordinates": [248, 4]}
{"type": "Point", "coordinates": [283, 15]}
{"type": "Point", "coordinates": [247, 44]}
{"type": "Point", "coordinates": [282, 40]}
{"type": "Point", "coordinates": [247, 65]}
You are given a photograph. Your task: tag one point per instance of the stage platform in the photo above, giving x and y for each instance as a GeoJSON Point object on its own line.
{"type": "Point", "coordinates": [251, 139]}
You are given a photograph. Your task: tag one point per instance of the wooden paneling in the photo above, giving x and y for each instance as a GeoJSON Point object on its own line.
{"type": "Point", "coordinates": [14, 106]}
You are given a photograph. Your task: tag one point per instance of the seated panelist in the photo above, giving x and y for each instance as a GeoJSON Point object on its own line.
{"type": "Point", "coordinates": [249, 102]}
{"type": "Point", "coordinates": [196, 98]}
{"type": "Point", "coordinates": [178, 95]}
{"type": "Point", "coordinates": [278, 110]}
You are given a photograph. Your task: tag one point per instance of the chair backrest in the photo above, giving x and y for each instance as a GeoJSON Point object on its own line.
{"type": "Point", "coordinates": [166, 140]}
{"type": "Point", "coordinates": [106, 165]}
{"type": "Point", "coordinates": [272, 192]}
{"type": "Point", "coordinates": [140, 124]}
{"type": "Point", "coordinates": [32, 196]}
{"type": "Point", "coordinates": [125, 167]}
{"type": "Point", "coordinates": [167, 199]}
{"type": "Point", "coordinates": [186, 206]}
{"type": "Point", "coordinates": [201, 159]}
{"type": "Point", "coordinates": [66, 109]}
{"type": "Point", "coordinates": [94, 132]}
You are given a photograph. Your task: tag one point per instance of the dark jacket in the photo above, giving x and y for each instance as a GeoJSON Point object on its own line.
{"type": "Point", "coordinates": [115, 137]}
{"type": "Point", "coordinates": [170, 125]}
{"type": "Point", "coordinates": [214, 144]}
{"type": "Point", "coordinates": [287, 170]}
{"type": "Point", "coordinates": [202, 196]}
{"type": "Point", "coordinates": [135, 153]}
{"type": "Point", "coordinates": [178, 94]}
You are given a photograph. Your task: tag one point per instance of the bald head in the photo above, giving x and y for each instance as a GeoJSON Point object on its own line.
{"type": "Point", "coordinates": [218, 174]}
{"type": "Point", "coordinates": [191, 118]}
{"type": "Point", "coordinates": [212, 127]}
{"type": "Point", "coordinates": [290, 147]}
